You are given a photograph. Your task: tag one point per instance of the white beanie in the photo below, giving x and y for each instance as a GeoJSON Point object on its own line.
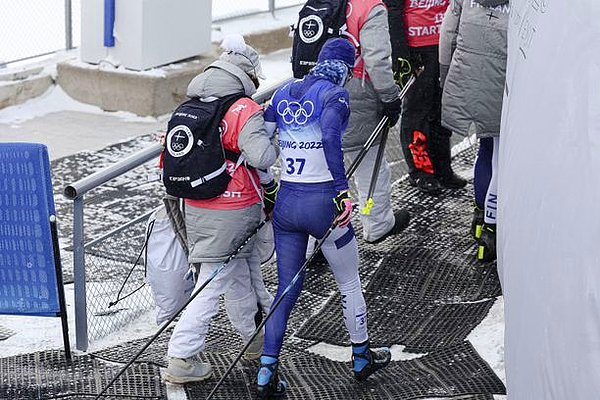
{"type": "Point", "coordinates": [237, 52]}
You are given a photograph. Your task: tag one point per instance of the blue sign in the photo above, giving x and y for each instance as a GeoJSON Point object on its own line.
{"type": "Point", "coordinates": [28, 282]}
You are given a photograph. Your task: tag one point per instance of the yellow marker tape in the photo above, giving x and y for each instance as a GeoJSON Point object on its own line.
{"type": "Point", "coordinates": [480, 252]}
{"type": "Point", "coordinates": [366, 210]}
{"type": "Point", "coordinates": [478, 231]}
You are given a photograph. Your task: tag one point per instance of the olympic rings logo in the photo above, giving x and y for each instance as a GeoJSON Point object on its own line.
{"type": "Point", "coordinates": [294, 112]}
{"type": "Point", "coordinates": [179, 141]}
{"type": "Point", "coordinates": [177, 146]}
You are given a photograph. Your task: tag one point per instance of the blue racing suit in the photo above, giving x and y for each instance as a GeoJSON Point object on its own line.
{"type": "Point", "coordinates": [311, 115]}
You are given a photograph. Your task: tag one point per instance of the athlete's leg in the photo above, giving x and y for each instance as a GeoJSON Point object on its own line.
{"type": "Point", "coordinates": [491, 197]}
{"type": "Point", "coordinates": [487, 242]}
{"type": "Point", "coordinates": [341, 251]}
{"type": "Point", "coordinates": [482, 170]}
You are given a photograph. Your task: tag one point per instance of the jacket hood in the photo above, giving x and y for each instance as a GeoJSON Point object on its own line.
{"type": "Point", "coordinates": [220, 78]}
{"type": "Point", "coordinates": [491, 3]}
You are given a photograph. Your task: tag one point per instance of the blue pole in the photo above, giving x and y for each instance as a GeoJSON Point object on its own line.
{"type": "Point", "coordinates": [109, 23]}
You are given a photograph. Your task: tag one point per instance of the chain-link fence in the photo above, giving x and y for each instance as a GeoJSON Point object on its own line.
{"type": "Point", "coordinates": [117, 292]}
{"type": "Point", "coordinates": [34, 28]}
{"type": "Point", "coordinates": [37, 27]}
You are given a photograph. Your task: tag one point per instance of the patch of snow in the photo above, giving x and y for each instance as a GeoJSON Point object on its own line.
{"type": "Point", "coordinates": [56, 100]}
{"type": "Point", "coordinates": [37, 333]}
{"type": "Point", "coordinates": [249, 24]}
{"type": "Point", "coordinates": [488, 340]}
{"type": "Point", "coordinates": [344, 353]}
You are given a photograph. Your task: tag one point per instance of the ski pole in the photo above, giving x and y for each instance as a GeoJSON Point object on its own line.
{"type": "Point", "coordinates": [379, 127]}
{"type": "Point", "coordinates": [192, 297]}
{"type": "Point", "coordinates": [368, 144]}
{"type": "Point", "coordinates": [273, 308]}
{"type": "Point", "coordinates": [366, 210]}
{"type": "Point", "coordinates": [366, 147]}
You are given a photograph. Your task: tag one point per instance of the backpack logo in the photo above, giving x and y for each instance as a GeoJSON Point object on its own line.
{"type": "Point", "coordinates": [194, 159]}
{"type": "Point", "coordinates": [180, 141]}
{"type": "Point", "coordinates": [310, 28]}
{"type": "Point", "coordinates": [318, 20]}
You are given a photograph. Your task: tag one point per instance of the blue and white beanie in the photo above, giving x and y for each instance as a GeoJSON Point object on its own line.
{"type": "Point", "coordinates": [335, 61]}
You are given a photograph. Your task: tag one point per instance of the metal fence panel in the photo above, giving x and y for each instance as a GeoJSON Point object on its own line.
{"type": "Point", "coordinates": [33, 28]}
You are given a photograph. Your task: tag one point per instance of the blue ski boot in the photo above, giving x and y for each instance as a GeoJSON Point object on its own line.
{"type": "Point", "coordinates": [366, 361]}
{"type": "Point", "coordinates": [270, 386]}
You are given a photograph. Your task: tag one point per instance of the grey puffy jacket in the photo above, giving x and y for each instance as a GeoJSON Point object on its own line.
{"type": "Point", "coordinates": [215, 234]}
{"type": "Point", "coordinates": [366, 96]}
{"type": "Point", "coordinates": [473, 48]}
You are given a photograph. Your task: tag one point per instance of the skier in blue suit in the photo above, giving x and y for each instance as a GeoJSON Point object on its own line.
{"type": "Point", "coordinates": [311, 115]}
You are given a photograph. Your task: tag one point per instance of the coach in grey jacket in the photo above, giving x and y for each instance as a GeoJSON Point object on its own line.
{"type": "Point", "coordinates": [473, 48]}
{"type": "Point", "coordinates": [215, 230]}
{"type": "Point", "coordinates": [473, 54]}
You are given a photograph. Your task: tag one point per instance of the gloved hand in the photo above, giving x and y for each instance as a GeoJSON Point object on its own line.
{"type": "Point", "coordinates": [270, 195]}
{"type": "Point", "coordinates": [343, 209]}
{"type": "Point", "coordinates": [392, 110]}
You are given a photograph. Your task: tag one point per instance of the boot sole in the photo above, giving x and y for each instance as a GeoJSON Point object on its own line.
{"type": "Point", "coordinates": [184, 379]}
{"type": "Point", "coordinates": [277, 395]}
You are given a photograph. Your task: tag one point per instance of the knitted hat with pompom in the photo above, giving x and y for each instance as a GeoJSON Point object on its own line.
{"type": "Point", "coordinates": [237, 52]}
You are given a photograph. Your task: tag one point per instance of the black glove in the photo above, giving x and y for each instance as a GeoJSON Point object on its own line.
{"type": "Point", "coordinates": [343, 209]}
{"type": "Point", "coordinates": [392, 111]}
{"type": "Point", "coordinates": [270, 195]}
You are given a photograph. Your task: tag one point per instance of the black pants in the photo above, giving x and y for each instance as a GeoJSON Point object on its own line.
{"type": "Point", "coordinates": [425, 142]}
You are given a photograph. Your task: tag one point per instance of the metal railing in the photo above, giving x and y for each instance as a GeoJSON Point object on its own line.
{"type": "Point", "coordinates": [33, 29]}
{"type": "Point", "coordinates": [101, 266]}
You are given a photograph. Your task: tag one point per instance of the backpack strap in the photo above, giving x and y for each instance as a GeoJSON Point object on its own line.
{"type": "Point", "coordinates": [208, 177]}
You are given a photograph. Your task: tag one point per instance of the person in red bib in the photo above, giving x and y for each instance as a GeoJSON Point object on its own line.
{"type": "Point", "coordinates": [217, 226]}
{"type": "Point", "coordinates": [414, 33]}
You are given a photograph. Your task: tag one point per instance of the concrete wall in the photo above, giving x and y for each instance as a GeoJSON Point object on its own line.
{"type": "Point", "coordinates": [140, 93]}
{"type": "Point", "coordinates": [148, 93]}
{"type": "Point", "coordinates": [18, 89]}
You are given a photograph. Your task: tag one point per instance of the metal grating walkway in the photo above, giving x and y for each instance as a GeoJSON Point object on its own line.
{"type": "Point", "coordinates": [424, 289]}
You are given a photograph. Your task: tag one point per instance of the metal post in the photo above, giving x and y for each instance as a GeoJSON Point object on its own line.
{"type": "Point", "coordinates": [68, 25]}
{"type": "Point", "coordinates": [81, 328]}
{"type": "Point", "coordinates": [60, 287]}
{"type": "Point", "coordinates": [109, 23]}
{"type": "Point", "coordinates": [272, 7]}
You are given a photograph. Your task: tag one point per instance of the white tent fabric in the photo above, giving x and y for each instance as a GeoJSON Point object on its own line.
{"type": "Point", "coordinates": [549, 211]}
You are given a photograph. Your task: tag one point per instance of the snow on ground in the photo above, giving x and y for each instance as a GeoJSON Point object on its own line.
{"type": "Point", "coordinates": [487, 338]}
{"type": "Point", "coordinates": [37, 333]}
{"type": "Point", "coordinates": [56, 100]}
